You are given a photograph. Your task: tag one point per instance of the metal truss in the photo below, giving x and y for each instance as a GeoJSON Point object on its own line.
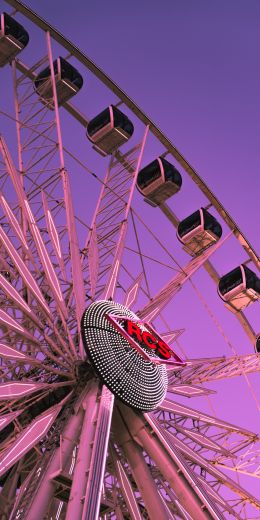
{"type": "Point", "coordinates": [211, 369]}
{"type": "Point", "coordinates": [68, 448]}
{"type": "Point", "coordinates": [106, 239]}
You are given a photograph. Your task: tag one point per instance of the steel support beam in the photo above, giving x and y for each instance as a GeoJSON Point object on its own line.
{"type": "Point", "coordinates": [172, 471]}
{"type": "Point", "coordinates": [98, 457]}
{"type": "Point", "coordinates": [140, 471]}
{"type": "Point", "coordinates": [81, 471]}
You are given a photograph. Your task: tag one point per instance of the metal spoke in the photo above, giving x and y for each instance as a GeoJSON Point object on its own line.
{"type": "Point", "coordinates": [86, 301]}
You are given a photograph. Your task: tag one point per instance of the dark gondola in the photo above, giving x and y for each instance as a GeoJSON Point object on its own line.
{"type": "Point", "coordinates": [158, 181]}
{"type": "Point", "coordinates": [13, 38]}
{"type": "Point", "coordinates": [257, 344]}
{"type": "Point", "coordinates": [239, 287]}
{"type": "Point", "coordinates": [198, 231]}
{"type": "Point", "coordinates": [68, 81]}
{"type": "Point", "coordinates": [109, 130]}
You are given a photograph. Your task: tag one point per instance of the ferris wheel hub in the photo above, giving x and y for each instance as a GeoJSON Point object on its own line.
{"type": "Point", "coordinates": [125, 354]}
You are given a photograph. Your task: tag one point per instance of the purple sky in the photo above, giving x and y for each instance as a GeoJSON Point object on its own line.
{"type": "Point", "coordinates": [193, 67]}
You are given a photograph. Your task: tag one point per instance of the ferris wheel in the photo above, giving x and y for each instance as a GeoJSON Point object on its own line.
{"type": "Point", "coordinates": [94, 373]}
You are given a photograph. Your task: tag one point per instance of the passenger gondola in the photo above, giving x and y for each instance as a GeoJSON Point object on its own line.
{"type": "Point", "coordinates": [109, 130]}
{"type": "Point", "coordinates": [68, 81]}
{"type": "Point", "coordinates": [257, 344]}
{"type": "Point", "coordinates": [239, 288]}
{"type": "Point", "coordinates": [198, 231]}
{"type": "Point", "coordinates": [13, 38]}
{"type": "Point", "coordinates": [158, 181]}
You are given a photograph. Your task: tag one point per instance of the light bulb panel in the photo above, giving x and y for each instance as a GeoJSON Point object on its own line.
{"type": "Point", "coordinates": [126, 369]}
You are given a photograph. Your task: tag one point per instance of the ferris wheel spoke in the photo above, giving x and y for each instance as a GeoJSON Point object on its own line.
{"type": "Point", "coordinates": [217, 497]}
{"type": "Point", "coordinates": [156, 304]}
{"type": "Point", "coordinates": [47, 171]}
{"type": "Point", "coordinates": [126, 487]}
{"type": "Point", "coordinates": [195, 437]}
{"type": "Point", "coordinates": [32, 286]}
{"type": "Point", "coordinates": [54, 236]}
{"type": "Point", "coordinates": [24, 272]}
{"type": "Point", "coordinates": [8, 418]}
{"type": "Point", "coordinates": [195, 457]}
{"type": "Point", "coordinates": [14, 296]}
{"type": "Point", "coordinates": [132, 292]}
{"type": "Point", "coordinates": [221, 479]}
{"type": "Point", "coordinates": [173, 462]}
{"type": "Point", "coordinates": [12, 325]}
{"type": "Point", "coordinates": [77, 277]}
{"type": "Point", "coordinates": [178, 508]}
{"type": "Point", "coordinates": [212, 369]}
{"type": "Point", "coordinates": [189, 390]}
{"type": "Point", "coordinates": [247, 463]}
{"type": "Point", "coordinates": [8, 353]}
{"type": "Point", "coordinates": [14, 391]}
{"type": "Point", "coordinates": [208, 443]}
{"type": "Point", "coordinates": [42, 252]}
{"type": "Point", "coordinates": [36, 497]}
{"type": "Point", "coordinates": [115, 200]}
{"type": "Point", "coordinates": [29, 438]}
{"type": "Point", "coordinates": [93, 260]}
{"type": "Point", "coordinates": [112, 280]}
{"type": "Point", "coordinates": [185, 411]}
{"type": "Point", "coordinates": [210, 468]}
{"type": "Point", "coordinates": [15, 225]}
{"type": "Point", "coordinates": [128, 493]}
{"type": "Point", "coordinates": [239, 315]}
{"type": "Point", "coordinates": [47, 265]}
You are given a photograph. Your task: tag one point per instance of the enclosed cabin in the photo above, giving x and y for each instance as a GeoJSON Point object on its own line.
{"type": "Point", "coordinates": [68, 81]}
{"type": "Point", "coordinates": [109, 130]}
{"type": "Point", "coordinates": [239, 288]}
{"type": "Point", "coordinates": [257, 344]}
{"type": "Point", "coordinates": [13, 38]}
{"type": "Point", "coordinates": [158, 181]}
{"type": "Point", "coordinates": [198, 231]}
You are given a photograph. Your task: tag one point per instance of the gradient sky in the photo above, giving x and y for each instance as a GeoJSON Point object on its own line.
{"type": "Point", "coordinates": [193, 67]}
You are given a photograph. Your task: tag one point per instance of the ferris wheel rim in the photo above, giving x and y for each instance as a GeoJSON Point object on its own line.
{"type": "Point", "coordinates": [153, 426]}
{"type": "Point", "coordinates": [100, 74]}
